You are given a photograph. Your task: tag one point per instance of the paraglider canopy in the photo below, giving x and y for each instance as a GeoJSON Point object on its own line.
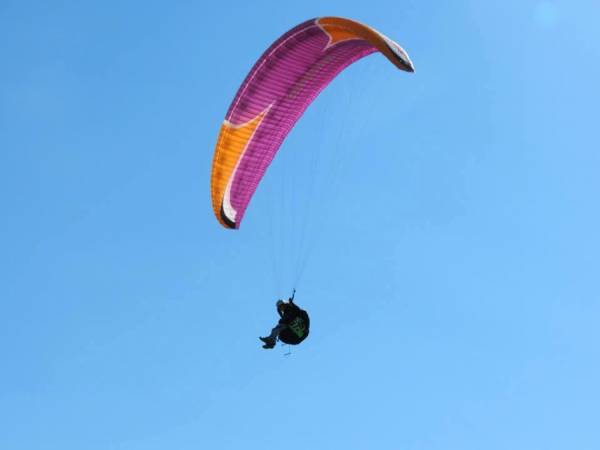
{"type": "Point", "coordinates": [281, 85]}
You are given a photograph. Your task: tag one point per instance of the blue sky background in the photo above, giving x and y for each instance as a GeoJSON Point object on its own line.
{"type": "Point", "coordinates": [455, 297]}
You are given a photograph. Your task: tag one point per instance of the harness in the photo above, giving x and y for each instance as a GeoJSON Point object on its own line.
{"type": "Point", "coordinates": [298, 327]}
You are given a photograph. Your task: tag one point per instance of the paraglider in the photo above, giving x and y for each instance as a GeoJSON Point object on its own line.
{"type": "Point", "coordinates": [293, 326]}
{"type": "Point", "coordinates": [284, 81]}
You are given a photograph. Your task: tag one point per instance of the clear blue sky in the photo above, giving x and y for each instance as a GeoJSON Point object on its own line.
{"type": "Point", "coordinates": [464, 317]}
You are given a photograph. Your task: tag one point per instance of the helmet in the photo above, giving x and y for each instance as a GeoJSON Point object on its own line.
{"type": "Point", "coordinates": [280, 306]}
